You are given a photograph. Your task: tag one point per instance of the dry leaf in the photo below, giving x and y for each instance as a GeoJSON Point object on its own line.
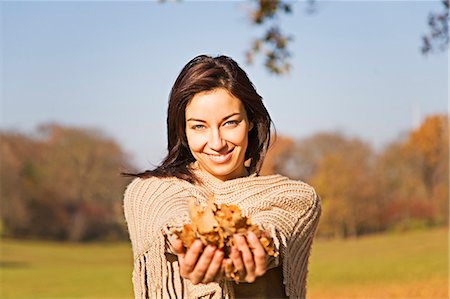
{"type": "Point", "coordinates": [187, 235]}
{"type": "Point", "coordinates": [203, 219]}
{"type": "Point", "coordinates": [216, 225]}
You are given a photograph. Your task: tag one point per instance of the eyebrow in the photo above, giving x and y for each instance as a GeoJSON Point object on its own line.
{"type": "Point", "coordinates": [201, 120]}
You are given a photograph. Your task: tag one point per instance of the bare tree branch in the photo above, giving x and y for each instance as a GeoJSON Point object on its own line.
{"type": "Point", "coordinates": [273, 44]}
{"type": "Point", "coordinates": [438, 37]}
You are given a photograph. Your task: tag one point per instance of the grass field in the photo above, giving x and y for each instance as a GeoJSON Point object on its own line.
{"type": "Point", "coordinates": [409, 265]}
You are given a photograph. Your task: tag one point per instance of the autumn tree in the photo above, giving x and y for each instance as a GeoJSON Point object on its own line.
{"type": "Point", "coordinates": [279, 145]}
{"type": "Point", "coordinates": [17, 154]}
{"type": "Point", "coordinates": [341, 170]}
{"type": "Point", "coordinates": [67, 184]}
{"type": "Point", "coordinates": [429, 143]}
{"type": "Point", "coordinates": [344, 180]}
{"type": "Point", "coordinates": [303, 158]}
{"type": "Point", "coordinates": [402, 190]}
{"type": "Point", "coordinates": [413, 176]}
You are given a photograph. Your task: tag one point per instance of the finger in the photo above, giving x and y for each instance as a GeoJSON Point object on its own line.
{"type": "Point", "coordinates": [202, 264]}
{"type": "Point", "coordinates": [214, 267]}
{"type": "Point", "coordinates": [227, 267]}
{"type": "Point", "coordinates": [177, 246]}
{"type": "Point", "coordinates": [190, 259]}
{"type": "Point", "coordinates": [247, 257]}
{"type": "Point", "coordinates": [238, 264]}
{"type": "Point", "coordinates": [259, 254]}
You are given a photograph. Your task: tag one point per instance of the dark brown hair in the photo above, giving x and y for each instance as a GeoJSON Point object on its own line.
{"type": "Point", "coordinates": [205, 73]}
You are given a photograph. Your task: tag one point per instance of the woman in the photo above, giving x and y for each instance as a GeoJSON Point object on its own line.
{"type": "Point", "coordinates": [218, 134]}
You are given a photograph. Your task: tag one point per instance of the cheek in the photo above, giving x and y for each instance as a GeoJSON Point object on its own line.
{"type": "Point", "coordinates": [196, 142]}
{"type": "Point", "coordinates": [239, 138]}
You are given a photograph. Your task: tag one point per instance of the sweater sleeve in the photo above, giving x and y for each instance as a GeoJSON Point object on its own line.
{"type": "Point", "coordinates": [149, 206]}
{"type": "Point", "coordinates": [298, 249]}
{"type": "Point", "coordinates": [292, 215]}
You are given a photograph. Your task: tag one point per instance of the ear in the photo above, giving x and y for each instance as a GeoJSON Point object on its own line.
{"type": "Point", "coordinates": [250, 126]}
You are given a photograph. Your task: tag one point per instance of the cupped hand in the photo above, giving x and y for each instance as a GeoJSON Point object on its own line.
{"type": "Point", "coordinates": [198, 264]}
{"type": "Point", "coordinates": [248, 258]}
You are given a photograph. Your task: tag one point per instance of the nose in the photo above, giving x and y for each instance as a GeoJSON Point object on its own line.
{"type": "Point", "coordinates": [216, 141]}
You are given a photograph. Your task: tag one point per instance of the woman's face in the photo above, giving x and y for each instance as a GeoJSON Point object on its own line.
{"type": "Point", "coordinates": [217, 133]}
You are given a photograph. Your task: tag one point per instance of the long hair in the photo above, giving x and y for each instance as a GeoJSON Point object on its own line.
{"type": "Point", "coordinates": [205, 73]}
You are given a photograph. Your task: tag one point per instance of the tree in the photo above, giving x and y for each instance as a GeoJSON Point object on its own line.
{"type": "Point", "coordinates": [62, 183]}
{"type": "Point", "coordinates": [402, 191]}
{"type": "Point", "coordinates": [413, 177]}
{"type": "Point", "coordinates": [278, 146]}
{"type": "Point", "coordinates": [403, 186]}
{"type": "Point", "coordinates": [430, 145]}
{"type": "Point", "coordinates": [274, 44]}
{"type": "Point", "coordinates": [15, 152]}
{"type": "Point", "coordinates": [302, 160]}
{"type": "Point", "coordinates": [341, 171]}
{"type": "Point", "coordinates": [89, 182]}
{"type": "Point", "coordinates": [438, 37]}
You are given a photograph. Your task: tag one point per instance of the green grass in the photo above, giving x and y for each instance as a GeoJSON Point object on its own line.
{"type": "Point", "coordinates": [59, 270]}
{"type": "Point", "coordinates": [409, 265]}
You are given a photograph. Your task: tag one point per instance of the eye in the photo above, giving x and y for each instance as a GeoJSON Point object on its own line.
{"type": "Point", "coordinates": [231, 123]}
{"type": "Point", "coordinates": [197, 127]}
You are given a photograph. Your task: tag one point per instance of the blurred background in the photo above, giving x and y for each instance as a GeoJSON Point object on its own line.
{"type": "Point", "coordinates": [358, 92]}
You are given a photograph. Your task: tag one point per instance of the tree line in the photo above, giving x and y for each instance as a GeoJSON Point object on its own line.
{"type": "Point", "coordinates": [65, 183]}
{"type": "Point", "coordinates": [403, 186]}
{"type": "Point", "coordinates": [62, 183]}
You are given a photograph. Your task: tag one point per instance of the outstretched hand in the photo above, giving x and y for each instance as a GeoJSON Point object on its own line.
{"type": "Point", "coordinates": [248, 258]}
{"type": "Point", "coordinates": [199, 264]}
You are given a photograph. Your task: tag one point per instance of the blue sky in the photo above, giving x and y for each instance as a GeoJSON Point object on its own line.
{"type": "Point", "coordinates": [357, 67]}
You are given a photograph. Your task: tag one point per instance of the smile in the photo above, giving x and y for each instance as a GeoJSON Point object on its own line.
{"type": "Point", "coordinates": [220, 158]}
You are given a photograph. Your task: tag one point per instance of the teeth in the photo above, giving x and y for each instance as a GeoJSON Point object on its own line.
{"type": "Point", "coordinates": [220, 158]}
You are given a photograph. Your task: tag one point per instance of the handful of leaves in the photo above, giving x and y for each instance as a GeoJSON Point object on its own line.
{"type": "Point", "coordinates": [216, 224]}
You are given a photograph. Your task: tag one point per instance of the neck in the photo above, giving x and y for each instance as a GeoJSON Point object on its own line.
{"type": "Point", "coordinates": [220, 179]}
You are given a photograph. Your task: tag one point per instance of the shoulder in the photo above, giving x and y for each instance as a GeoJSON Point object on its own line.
{"type": "Point", "coordinates": [298, 187]}
{"type": "Point", "coordinates": [290, 191]}
{"type": "Point", "coordinates": [286, 186]}
{"type": "Point", "coordinates": [149, 189]}
{"type": "Point", "coordinates": [150, 183]}
{"type": "Point", "coordinates": [148, 203]}
{"type": "Point", "coordinates": [140, 186]}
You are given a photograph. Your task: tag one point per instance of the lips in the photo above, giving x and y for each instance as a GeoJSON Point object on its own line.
{"type": "Point", "coordinates": [220, 158]}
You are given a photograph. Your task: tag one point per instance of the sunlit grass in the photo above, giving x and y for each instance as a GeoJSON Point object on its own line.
{"type": "Point", "coordinates": [410, 265]}
{"type": "Point", "coordinates": [56, 270]}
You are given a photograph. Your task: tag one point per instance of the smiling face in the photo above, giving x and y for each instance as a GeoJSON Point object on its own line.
{"type": "Point", "coordinates": [217, 133]}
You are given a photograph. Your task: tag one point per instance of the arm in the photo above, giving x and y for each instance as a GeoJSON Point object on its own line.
{"type": "Point", "coordinates": [298, 249]}
{"type": "Point", "coordinates": [290, 214]}
{"type": "Point", "coordinates": [149, 205]}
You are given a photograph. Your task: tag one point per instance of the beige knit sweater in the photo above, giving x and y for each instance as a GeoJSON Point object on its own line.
{"type": "Point", "coordinates": [288, 209]}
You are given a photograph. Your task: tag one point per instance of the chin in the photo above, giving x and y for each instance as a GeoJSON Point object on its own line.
{"type": "Point", "coordinates": [220, 172]}
{"type": "Point", "coordinates": [223, 173]}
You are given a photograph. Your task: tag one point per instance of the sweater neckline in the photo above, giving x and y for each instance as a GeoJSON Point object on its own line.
{"type": "Point", "coordinates": [207, 181]}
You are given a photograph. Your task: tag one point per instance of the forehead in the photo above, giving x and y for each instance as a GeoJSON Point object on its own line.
{"type": "Point", "coordinates": [213, 103]}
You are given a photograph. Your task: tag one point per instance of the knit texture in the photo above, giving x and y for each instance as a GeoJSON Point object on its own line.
{"type": "Point", "coordinates": [289, 210]}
